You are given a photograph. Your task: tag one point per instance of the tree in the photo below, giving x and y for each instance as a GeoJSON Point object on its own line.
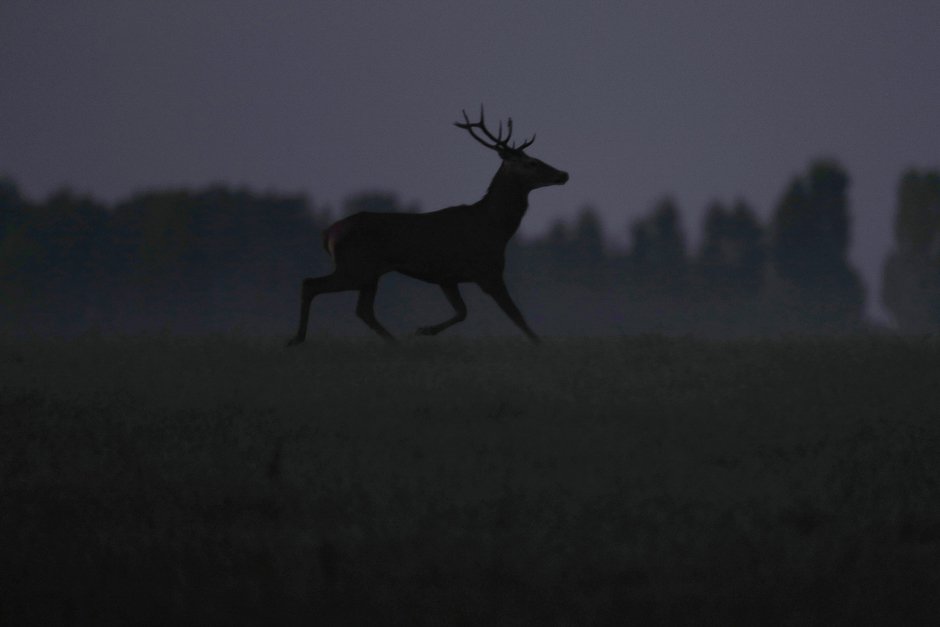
{"type": "Point", "coordinates": [658, 254]}
{"type": "Point", "coordinates": [11, 205]}
{"type": "Point", "coordinates": [53, 258]}
{"type": "Point", "coordinates": [157, 229]}
{"type": "Point", "coordinates": [12, 217]}
{"type": "Point", "coordinates": [810, 234]}
{"type": "Point", "coordinates": [16, 248]}
{"type": "Point", "coordinates": [731, 262]}
{"type": "Point", "coordinates": [587, 247]}
{"type": "Point", "coordinates": [809, 241]}
{"type": "Point", "coordinates": [912, 272]}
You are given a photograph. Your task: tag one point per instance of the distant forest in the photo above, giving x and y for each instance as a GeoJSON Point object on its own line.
{"type": "Point", "coordinates": [221, 260]}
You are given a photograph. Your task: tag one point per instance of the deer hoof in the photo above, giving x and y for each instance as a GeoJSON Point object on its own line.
{"type": "Point", "coordinates": [294, 342]}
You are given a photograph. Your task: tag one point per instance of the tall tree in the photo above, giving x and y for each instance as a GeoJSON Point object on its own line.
{"type": "Point", "coordinates": [11, 205]}
{"type": "Point", "coordinates": [911, 289]}
{"type": "Point", "coordinates": [809, 242]}
{"type": "Point", "coordinates": [810, 235]}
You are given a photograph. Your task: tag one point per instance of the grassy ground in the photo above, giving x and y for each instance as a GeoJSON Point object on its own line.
{"type": "Point", "coordinates": [671, 481]}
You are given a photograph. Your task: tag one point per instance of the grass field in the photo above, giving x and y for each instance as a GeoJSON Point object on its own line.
{"type": "Point", "coordinates": [228, 481]}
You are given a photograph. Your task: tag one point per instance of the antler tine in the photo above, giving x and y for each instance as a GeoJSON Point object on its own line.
{"type": "Point", "coordinates": [526, 143]}
{"type": "Point", "coordinates": [469, 126]}
{"type": "Point", "coordinates": [498, 139]}
{"type": "Point", "coordinates": [466, 120]}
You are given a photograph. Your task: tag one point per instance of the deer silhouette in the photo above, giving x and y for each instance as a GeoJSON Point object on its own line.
{"type": "Point", "coordinates": [461, 244]}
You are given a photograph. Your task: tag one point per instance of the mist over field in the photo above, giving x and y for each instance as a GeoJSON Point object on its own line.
{"type": "Point", "coordinates": [710, 435]}
{"type": "Point", "coordinates": [228, 480]}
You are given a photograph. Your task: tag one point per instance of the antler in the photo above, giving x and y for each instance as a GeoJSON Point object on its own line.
{"type": "Point", "coordinates": [499, 144]}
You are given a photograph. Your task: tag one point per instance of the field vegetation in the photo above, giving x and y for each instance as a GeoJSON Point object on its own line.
{"type": "Point", "coordinates": [643, 480]}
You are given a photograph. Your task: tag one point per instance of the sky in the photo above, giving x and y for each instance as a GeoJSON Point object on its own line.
{"type": "Point", "coordinates": [699, 101]}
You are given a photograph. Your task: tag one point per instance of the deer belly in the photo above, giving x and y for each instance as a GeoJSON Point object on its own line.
{"type": "Point", "coordinates": [440, 257]}
{"type": "Point", "coordinates": [449, 272]}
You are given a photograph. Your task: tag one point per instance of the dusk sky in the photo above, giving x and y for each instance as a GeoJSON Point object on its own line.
{"type": "Point", "coordinates": [702, 101]}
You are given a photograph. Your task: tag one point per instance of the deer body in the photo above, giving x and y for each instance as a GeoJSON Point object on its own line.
{"type": "Point", "coordinates": [465, 243]}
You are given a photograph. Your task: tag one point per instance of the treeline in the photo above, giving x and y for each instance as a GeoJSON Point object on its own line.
{"type": "Point", "coordinates": [223, 259]}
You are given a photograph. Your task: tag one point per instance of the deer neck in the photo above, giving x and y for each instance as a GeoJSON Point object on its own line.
{"type": "Point", "coordinates": [506, 201]}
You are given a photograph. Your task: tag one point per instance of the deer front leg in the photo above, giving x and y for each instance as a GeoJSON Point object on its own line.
{"type": "Point", "coordinates": [460, 311]}
{"type": "Point", "coordinates": [307, 292]}
{"type": "Point", "coordinates": [497, 289]}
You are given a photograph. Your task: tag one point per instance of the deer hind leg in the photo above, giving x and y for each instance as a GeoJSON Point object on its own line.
{"type": "Point", "coordinates": [460, 311]}
{"type": "Point", "coordinates": [365, 310]}
{"type": "Point", "coordinates": [497, 290]}
{"type": "Point", "coordinates": [318, 285]}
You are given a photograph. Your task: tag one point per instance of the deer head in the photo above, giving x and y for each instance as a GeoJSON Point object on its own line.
{"type": "Point", "coordinates": [529, 171]}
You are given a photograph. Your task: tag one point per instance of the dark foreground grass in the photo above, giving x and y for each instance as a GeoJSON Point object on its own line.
{"type": "Point", "coordinates": [626, 481]}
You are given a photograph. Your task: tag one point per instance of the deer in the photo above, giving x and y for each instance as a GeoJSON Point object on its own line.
{"type": "Point", "coordinates": [447, 247]}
